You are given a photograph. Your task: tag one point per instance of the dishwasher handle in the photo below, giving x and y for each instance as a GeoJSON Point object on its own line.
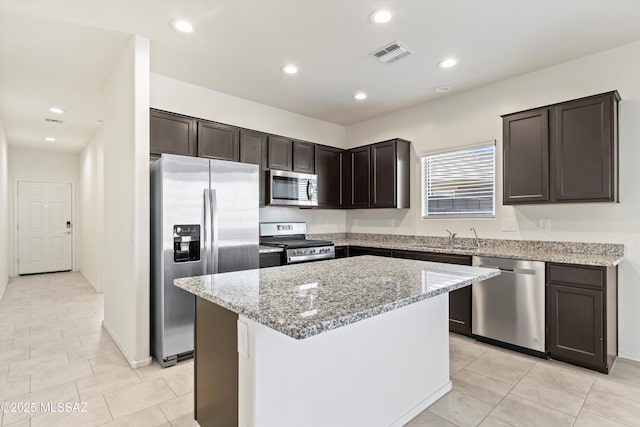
{"type": "Point", "coordinates": [517, 270]}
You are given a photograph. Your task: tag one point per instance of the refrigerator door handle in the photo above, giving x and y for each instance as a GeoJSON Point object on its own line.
{"type": "Point", "coordinates": [214, 231]}
{"type": "Point", "coordinates": [206, 232]}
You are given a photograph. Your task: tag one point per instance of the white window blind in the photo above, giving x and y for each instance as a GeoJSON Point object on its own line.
{"type": "Point", "coordinates": [459, 183]}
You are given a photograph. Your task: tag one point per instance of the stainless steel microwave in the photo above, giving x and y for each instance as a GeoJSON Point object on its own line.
{"type": "Point", "coordinates": [286, 188]}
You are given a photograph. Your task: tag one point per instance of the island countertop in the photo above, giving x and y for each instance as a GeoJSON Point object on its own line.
{"type": "Point", "coordinates": [304, 300]}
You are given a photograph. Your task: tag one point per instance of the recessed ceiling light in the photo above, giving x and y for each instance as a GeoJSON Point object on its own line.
{"type": "Point", "coordinates": [381, 16]}
{"type": "Point", "coordinates": [360, 96]}
{"type": "Point", "coordinates": [50, 139]}
{"type": "Point", "coordinates": [448, 63]}
{"type": "Point", "coordinates": [56, 110]}
{"type": "Point", "coordinates": [290, 69]}
{"type": "Point", "coordinates": [442, 88]}
{"type": "Point", "coordinates": [182, 26]}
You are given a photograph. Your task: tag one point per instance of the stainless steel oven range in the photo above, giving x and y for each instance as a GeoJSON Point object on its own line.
{"type": "Point", "coordinates": [291, 237]}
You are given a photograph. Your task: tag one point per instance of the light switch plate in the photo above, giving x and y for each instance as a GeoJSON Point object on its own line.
{"type": "Point", "coordinates": [243, 339]}
{"type": "Point", "coordinates": [544, 225]}
{"type": "Point", "coordinates": [509, 224]}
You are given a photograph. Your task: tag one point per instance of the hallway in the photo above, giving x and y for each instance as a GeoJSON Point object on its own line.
{"type": "Point", "coordinates": [53, 349]}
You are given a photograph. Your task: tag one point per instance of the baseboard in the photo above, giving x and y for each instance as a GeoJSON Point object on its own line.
{"type": "Point", "coordinates": [135, 364]}
{"type": "Point", "coordinates": [423, 405]}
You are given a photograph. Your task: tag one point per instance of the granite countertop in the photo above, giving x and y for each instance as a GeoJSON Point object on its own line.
{"type": "Point", "coordinates": [263, 249]}
{"type": "Point", "coordinates": [304, 300]}
{"type": "Point", "coordinates": [525, 250]}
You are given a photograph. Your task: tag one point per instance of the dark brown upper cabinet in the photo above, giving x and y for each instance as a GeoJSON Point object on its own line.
{"type": "Point", "coordinates": [280, 152]}
{"type": "Point", "coordinates": [526, 157]}
{"type": "Point", "coordinates": [218, 141]}
{"type": "Point", "coordinates": [357, 177]}
{"type": "Point", "coordinates": [171, 133]}
{"type": "Point", "coordinates": [303, 157]}
{"type": "Point", "coordinates": [390, 174]}
{"type": "Point", "coordinates": [253, 149]}
{"type": "Point", "coordinates": [328, 167]}
{"type": "Point", "coordinates": [582, 315]}
{"type": "Point", "coordinates": [563, 153]}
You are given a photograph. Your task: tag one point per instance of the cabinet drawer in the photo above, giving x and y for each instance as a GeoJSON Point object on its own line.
{"type": "Point", "coordinates": [429, 256]}
{"type": "Point", "coordinates": [359, 250]}
{"type": "Point", "coordinates": [580, 276]}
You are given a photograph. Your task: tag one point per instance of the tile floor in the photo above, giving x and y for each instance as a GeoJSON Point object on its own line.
{"type": "Point", "coordinates": [53, 349]}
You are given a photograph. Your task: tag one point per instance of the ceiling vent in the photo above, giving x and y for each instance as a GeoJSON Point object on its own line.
{"type": "Point", "coordinates": [48, 120]}
{"type": "Point", "coordinates": [392, 52]}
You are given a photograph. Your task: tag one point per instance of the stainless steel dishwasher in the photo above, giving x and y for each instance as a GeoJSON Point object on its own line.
{"type": "Point", "coordinates": [510, 308]}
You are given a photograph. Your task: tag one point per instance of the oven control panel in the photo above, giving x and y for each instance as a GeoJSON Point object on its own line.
{"type": "Point", "coordinates": [310, 254]}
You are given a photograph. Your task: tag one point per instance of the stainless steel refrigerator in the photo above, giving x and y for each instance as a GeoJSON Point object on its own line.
{"type": "Point", "coordinates": [204, 220]}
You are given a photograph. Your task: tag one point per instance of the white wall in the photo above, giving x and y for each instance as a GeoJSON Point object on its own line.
{"type": "Point", "coordinates": [125, 267]}
{"type": "Point", "coordinates": [46, 166]}
{"type": "Point", "coordinates": [4, 212]}
{"type": "Point", "coordinates": [474, 116]}
{"type": "Point", "coordinates": [91, 208]}
{"type": "Point", "coordinates": [184, 98]}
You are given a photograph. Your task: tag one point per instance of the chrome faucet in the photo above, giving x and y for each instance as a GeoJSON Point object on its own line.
{"type": "Point", "coordinates": [452, 237]}
{"type": "Point", "coordinates": [475, 234]}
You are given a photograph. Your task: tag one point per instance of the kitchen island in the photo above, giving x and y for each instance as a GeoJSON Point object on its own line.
{"type": "Point", "coordinates": [348, 342]}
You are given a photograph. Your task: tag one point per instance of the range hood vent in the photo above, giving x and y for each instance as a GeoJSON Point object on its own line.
{"type": "Point", "coordinates": [392, 52]}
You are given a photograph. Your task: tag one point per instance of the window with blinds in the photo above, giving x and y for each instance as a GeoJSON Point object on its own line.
{"type": "Point", "coordinates": [459, 183]}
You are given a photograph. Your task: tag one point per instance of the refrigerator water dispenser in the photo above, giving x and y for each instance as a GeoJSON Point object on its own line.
{"type": "Point", "coordinates": [186, 243]}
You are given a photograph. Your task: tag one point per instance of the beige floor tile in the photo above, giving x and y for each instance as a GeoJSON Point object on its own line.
{"type": "Point", "coordinates": [138, 397]}
{"type": "Point", "coordinates": [460, 409]}
{"type": "Point", "coordinates": [502, 366]}
{"type": "Point", "coordinates": [494, 422]}
{"type": "Point", "coordinates": [109, 362]}
{"type": "Point", "coordinates": [429, 419]}
{"type": "Point", "coordinates": [549, 393]}
{"type": "Point", "coordinates": [13, 387]}
{"type": "Point", "coordinates": [4, 370]}
{"type": "Point", "coordinates": [23, 423]}
{"type": "Point", "coordinates": [97, 385]}
{"type": "Point", "coordinates": [466, 347]}
{"type": "Point", "coordinates": [78, 331]}
{"type": "Point", "coordinates": [481, 387]}
{"type": "Point", "coordinates": [618, 387]}
{"type": "Point", "coordinates": [179, 411]}
{"type": "Point", "coordinates": [457, 363]}
{"type": "Point", "coordinates": [39, 364]}
{"type": "Point", "coordinates": [41, 328]}
{"type": "Point", "coordinates": [61, 393]}
{"type": "Point", "coordinates": [64, 374]}
{"type": "Point", "coordinates": [95, 413]}
{"type": "Point", "coordinates": [525, 413]}
{"type": "Point", "coordinates": [181, 382]}
{"type": "Point", "coordinates": [65, 344]}
{"type": "Point", "coordinates": [151, 417]}
{"type": "Point", "coordinates": [614, 407]}
{"type": "Point", "coordinates": [42, 337]}
{"type": "Point", "coordinates": [92, 351]}
{"type": "Point", "coordinates": [587, 419]}
{"type": "Point", "coordinates": [564, 376]}
{"type": "Point", "coordinates": [99, 337]}
{"type": "Point", "coordinates": [8, 356]}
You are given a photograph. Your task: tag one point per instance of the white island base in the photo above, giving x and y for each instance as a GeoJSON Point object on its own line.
{"type": "Point", "coordinates": [381, 371]}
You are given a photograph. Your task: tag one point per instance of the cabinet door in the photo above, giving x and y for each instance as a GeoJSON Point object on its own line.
{"type": "Point", "coordinates": [329, 170]}
{"type": "Point", "coordinates": [218, 141]}
{"type": "Point", "coordinates": [583, 144]}
{"type": "Point", "coordinates": [575, 325]}
{"type": "Point", "coordinates": [271, 259]}
{"type": "Point", "coordinates": [383, 175]}
{"type": "Point", "coordinates": [526, 157]}
{"type": "Point", "coordinates": [171, 134]}
{"type": "Point", "coordinates": [357, 177]}
{"type": "Point", "coordinates": [303, 155]}
{"type": "Point", "coordinates": [360, 250]}
{"type": "Point", "coordinates": [342, 251]}
{"type": "Point", "coordinates": [252, 145]}
{"type": "Point", "coordinates": [460, 299]}
{"type": "Point", "coordinates": [279, 155]}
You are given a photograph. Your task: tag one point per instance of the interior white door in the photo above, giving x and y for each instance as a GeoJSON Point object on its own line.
{"type": "Point", "coordinates": [44, 227]}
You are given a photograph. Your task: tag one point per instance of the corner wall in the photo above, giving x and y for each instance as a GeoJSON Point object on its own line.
{"type": "Point", "coordinates": [91, 207]}
{"type": "Point", "coordinates": [184, 98]}
{"type": "Point", "coordinates": [125, 268]}
{"type": "Point", "coordinates": [4, 212]}
{"type": "Point", "coordinates": [474, 116]}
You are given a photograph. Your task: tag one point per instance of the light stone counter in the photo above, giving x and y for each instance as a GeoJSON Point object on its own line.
{"type": "Point", "coordinates": [304, 300]}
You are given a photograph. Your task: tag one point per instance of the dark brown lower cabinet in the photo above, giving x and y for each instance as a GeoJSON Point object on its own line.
{"type": "Point", "coordinates": [360, 250]}
{"type": "Point", "coordinates": [582, 315]}
{"type": "Point", "coordinates": [459, 300]}
{"type": "Point", "coordinates": [342, 251]}
{"type": "Point", "coordinates": [271, 259]}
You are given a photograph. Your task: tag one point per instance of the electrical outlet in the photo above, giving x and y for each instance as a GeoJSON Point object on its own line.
{"type": "Point", "coordinates": [243, 339]}
{"type": "Point", "coordinates": [509, 224]}
{"type": "Point", "coordinates": [544, 225]}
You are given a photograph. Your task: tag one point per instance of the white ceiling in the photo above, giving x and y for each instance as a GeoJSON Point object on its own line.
{"type": "Point", "coordinates": [59, 52]}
